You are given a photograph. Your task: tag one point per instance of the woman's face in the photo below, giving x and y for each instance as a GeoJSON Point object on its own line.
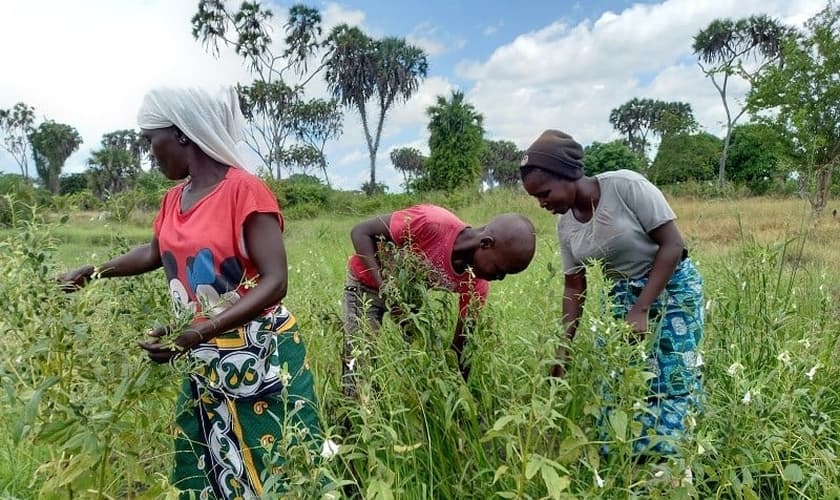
{"type": "Point", "coordinates": [554, 194]}
{"type": "Point", "coordinates": [170, 155]}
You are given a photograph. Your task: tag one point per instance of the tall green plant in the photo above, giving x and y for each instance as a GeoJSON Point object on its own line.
{"type": "Point", "coordinates": [455, 144]}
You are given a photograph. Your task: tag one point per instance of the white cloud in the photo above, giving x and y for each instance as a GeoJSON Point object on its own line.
{"type": "Point", "coordinates": [427, 37]}
{"type": "Point", "coordinates": [570, 76]}
{"type": "Point", "coordinates": [413, 113]}
{"type": "Point", "coordinates": [334, 14]}
{"type": "Point", "coordinates": [90, 62]}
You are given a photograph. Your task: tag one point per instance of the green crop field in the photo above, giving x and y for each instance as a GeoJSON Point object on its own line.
{"type": "Point", "coordinates": [85, 415]}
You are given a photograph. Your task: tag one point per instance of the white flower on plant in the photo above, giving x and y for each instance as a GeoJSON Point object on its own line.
{"type": "Point", "coordinates": [806, 343]}
{"type": "Point", "coordinates": [784, 357]}
{"type": "Point", "coordinates": [688, 478]}
{"type": "Point", "coordinates": [734, 368]}
{"type": "Point", "coordinates": [599, 482]}
{"type": "Point", "coordinates": [747, 399]}
{"type": "Point", "coordinates": [329, 448]}
{"type": "Point", "coordinates": [813, 371]}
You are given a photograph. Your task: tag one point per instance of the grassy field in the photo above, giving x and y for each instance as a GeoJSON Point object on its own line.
{"type": "Point", "coordinates": [88, 417]}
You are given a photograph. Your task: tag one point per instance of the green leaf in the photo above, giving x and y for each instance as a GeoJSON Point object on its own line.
{"type": "Point", "coordinates": [501, 471]}
{"type": "Point", "coordinates": [618, 421]}
{"type": "Point", "coordinates": [31, 410]}
{"type": "Point", "coordinates": [406, 448]}
{"type": "Point", "coordinates": [748, 494]}
{"type": "Point", "coordinates": [533, 466]}
{"type": "Point", "coordinates": [380, 490]}
{"type": "Point", "coordinates": [793, 473]}
{"type": "Point", "coordinates": [553, 482]}
{"type": "Point", "coordinates": [502, 422]}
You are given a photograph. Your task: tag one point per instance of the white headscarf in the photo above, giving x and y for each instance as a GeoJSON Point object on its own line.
{"type": "Point", "coordinates": [212, 120]}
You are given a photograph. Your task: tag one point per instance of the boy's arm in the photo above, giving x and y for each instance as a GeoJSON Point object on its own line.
{"type": "Point", "coordinates": [365, 236]}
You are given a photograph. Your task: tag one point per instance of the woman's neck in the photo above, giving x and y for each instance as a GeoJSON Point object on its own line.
{"type": "Point", "coordinates": [207, 173]}
{"type": "Point", "coordinates": [587, 198]}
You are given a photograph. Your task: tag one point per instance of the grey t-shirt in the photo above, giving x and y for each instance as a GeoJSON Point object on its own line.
{"type": "Point", "coordinates": [629, 208]}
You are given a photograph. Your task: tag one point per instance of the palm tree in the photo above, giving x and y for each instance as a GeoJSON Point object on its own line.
{"type": "Point", "coordinates": [359, 69]}
{"type": "Point", "coordinates": [742, 48]}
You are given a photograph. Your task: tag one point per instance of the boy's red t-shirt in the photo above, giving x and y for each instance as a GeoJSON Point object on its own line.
{"type": "Point", "coordinates": [431, 232]}
{"type": "Point", "coordinates": [203, 249]}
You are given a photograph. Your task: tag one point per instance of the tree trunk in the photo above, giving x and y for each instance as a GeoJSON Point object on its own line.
{"type": "Point", "coordinates": [383, 108]}
{"type": "Point", "coordinates": [371, 150]}
{"type": "Point", "coordinates": [820, 197]}
{"type": "Point", "coordinates": [324, 170]}
{"type": "Point", "coordinates": [54, 182]}
{"type": "Point", "coordinates": [722, 164]}
{"type": "Point", "coordinates": [372, 186]}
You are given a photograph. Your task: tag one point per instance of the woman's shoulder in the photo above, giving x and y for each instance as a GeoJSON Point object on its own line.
{"type": "Point", "coordinates": [239, 179]}
{"type": "Point", "coordinates": [619, 176]}
{"type": "Point", "coordinates": [240, 175]}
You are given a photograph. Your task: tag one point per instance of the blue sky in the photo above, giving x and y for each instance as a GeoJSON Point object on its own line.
{"type": "Point", "coordinates": [526, 66]}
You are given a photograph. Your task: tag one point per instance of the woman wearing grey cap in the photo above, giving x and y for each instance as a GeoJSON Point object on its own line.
{"type": "Point", "coordinates": [624, 221]}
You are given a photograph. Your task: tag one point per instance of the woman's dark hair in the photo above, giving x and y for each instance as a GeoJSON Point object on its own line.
{"type": "Point", "coordinates": [529, 169]}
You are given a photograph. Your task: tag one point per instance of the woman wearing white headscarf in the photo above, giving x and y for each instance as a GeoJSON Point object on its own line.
{"type": "Point", "coordinates": [219, 237]}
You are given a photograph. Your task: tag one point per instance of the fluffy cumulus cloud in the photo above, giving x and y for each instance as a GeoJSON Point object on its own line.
{"type": "Point", "coordinates": [570, 76]}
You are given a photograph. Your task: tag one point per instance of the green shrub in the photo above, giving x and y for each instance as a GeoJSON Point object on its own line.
{"type": "Point", "coordinates": [686, 157]}
{"type": "Point", "coordinates": [20, 200]}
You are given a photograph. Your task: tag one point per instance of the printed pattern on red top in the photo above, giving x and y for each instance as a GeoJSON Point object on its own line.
{"type": "Point", "coordinates": [203, 249]}
{"type": "Point", "coordinates": [431, 231]}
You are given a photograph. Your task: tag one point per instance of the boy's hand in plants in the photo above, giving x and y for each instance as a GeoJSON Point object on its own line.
{"type": "Point", "coordinates": [75, 279]}
{"type": "Point", "coordinates": [161, 350]}
{"type": "Point", "coordinates": [558, 370]}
